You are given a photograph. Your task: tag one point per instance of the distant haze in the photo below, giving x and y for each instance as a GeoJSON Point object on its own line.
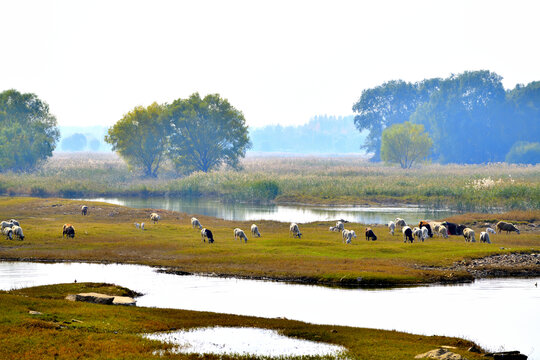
{"type": "Point", "coordinates": [280, 62]}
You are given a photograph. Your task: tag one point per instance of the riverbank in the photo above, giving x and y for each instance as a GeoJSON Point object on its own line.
{"type": "Point", "coordinates": [306, 180]}
{"type": "Point", "coordinates": [108, 234]}
{"type": "Point", "coordinates": [39, 323]}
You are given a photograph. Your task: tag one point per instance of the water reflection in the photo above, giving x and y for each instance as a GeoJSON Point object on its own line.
{"type": "Point", "coordinates": [284, 213]}
{"type": "Point", "coordinates": [499, 314]}
{"type": "Point", "coordinates": [243, 341]}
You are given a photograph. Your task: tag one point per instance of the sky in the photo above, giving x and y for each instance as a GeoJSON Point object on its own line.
{"type": "Point", "coordinates": [279, 62]}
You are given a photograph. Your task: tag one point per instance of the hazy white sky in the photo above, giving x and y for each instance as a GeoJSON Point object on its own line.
{"type": "Point", "coordinates": [277, 61]}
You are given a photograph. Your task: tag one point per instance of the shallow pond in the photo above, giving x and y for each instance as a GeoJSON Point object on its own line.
{"type": "Point", "coordinates": [284, 213]}
{"type": "Point", "coordinates": [243, 341]}
{"type": "Point", "coordinates": [498, 314]}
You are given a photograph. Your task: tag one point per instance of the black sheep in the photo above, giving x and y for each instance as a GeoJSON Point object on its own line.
{"type": "Point", "coordinates": [370, 235]}
{"type": "Point", "coordinates": [205, 233]}
{"type": "Point", "coordinates": [408, 234]}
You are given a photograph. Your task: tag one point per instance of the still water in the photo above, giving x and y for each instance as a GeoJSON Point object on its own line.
{"type": "Point", "coordinates": [284, 213]}
{"type": "Point", "coordinates": [498, 314]}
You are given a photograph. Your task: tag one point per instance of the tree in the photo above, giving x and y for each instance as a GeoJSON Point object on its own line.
{"type": "Point", "coordinates": [75, 142]}
{"type": "Point", "coordinates": [405, 144]}
{"type": "Point", "coordinates": [524, 152]}
{"type": "Point", "coordinates": [390, 103]}
{"type": "Point", "coordinates": [206, 133]}
{"type": "Point", "coordinates": [140, 137]}
{"type": "Point", "coordinates": [28, 131]}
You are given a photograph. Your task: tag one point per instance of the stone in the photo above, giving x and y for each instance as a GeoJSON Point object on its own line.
{"type": "Point", "coordinates": [103, 299]}
{"type": "Point", "coordinates": [509, 355]}
{"type": "Point", "coordinates": [474, 349]}
{"type": "Point", "coordinates": [124, 300]}
{"type": "Point", "coordinates": [441, 354]}
{"type": "Point", "coordinates": [32, 312]}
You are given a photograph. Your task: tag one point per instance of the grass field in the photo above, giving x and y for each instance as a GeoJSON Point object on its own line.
{"type": "Point", "coordinates": [341, 180]}
{"type": "Point", "coordinates": [75, 330]}
{"type": "Point", "coordinates": [107, 234]}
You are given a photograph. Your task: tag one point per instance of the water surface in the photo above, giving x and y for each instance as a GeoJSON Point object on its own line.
{"type": "Point", "coordinates": [498, 314]}
{"type": "Point", "coordinates": [284, 213]}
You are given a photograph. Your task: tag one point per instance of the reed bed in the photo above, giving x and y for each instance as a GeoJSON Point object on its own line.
{"type": "Point", "coordinates": [312, 180]}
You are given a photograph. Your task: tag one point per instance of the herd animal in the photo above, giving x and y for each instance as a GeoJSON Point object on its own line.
{"type": "Point", "coordinates": [84, 210]}
{"type": "Point", "coordinates": [155, 217]}
{"type": "Point", "coordinates": [207, 234]}
{"type": "Point", "coordinates": [68, 231]}
{"type": "Point", "coordinates": [370, 235]}
{"type": "Point", "coordinates": [505, 226]}
{"type": "Point", "coordinates": [407, 234]}
{"type": "Point", "coordinates": [468, 234]}
{"type": "Point", "coordinates": [196, 223]}
{"type": "Point", "coordinates": [240, 234]}
{"type": "Point", "coordinates": [255, 230]}
{"type": "Point", "coordinates": [295, 230]}
{"type": "Point", "coordinates": [11, 228]}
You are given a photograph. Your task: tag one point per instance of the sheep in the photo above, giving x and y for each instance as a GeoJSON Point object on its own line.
{"type": "Point", "coordinates": [239, 233]}
{"type": "Point", "coordinates": [205, 233]}
{"type": "Point", "coordinates": [17, 231]}
{"type": "Point", "coordinates": [255, 230]}
{"type": "Point", "coordinates": [370, 235]}
{"type": "Point", "coordinates": [436, 227]}
{"type": "Point", "coordinates": [417, 233]}
{"type": "Point", "coordinates": [452, 228]}
{"type": "Point", "coordinates": [347, 236]}
{"type": "Point", "coordinates": [425, 233]}
{"type": "Point", "coordinates": [14, 222]}
{"type": "Point", "coordinates": [137, 225]}
{"type": "Point", "coordinates": [333, 228]}
{"type": "Point", "coordinates": [460, 228]}
{"type": "Point", "coordinates": [392, 227]}
{"type": "Point", "coordinates": [490, 231]}
{"type": "Point", "coordinates": [68, 230]}
{"type": "Point", "coordinates": [142, 226]}
{"type": "Point", "coordinates": [504, 226]}
{"type": "Point", "coordinates": [444, 232]}
{"type": "Point", "coordinates": [294, 230]}
{"type": "Point", "coordinates": [484, 237]}
{"type": "Point", "coordinates": [353, 233]}
{"type": "Point", "coordinates": [425, 224]}
{"type": "Point", "coordinates": [84, 210]}
{"type": "Point", "coordinates": [8, 232]}
{"type": "Point", "coordinates": [407, 234]}
{"type": "Point", "coordinates": [400, 222]}
{"type": "Point", "coordinates": [155, 217]}
{"type": "Point", "coordinates": [6, 224]}
{"type": "Point", "coordinates": [340, 225]}
{"type": "Point", "coordinates": [196, 223]}
{"type": "Point", "coordinates": [468, 234]}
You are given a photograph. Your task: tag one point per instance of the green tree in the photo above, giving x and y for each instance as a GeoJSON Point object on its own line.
{"type": "Point", "coordinates": [206, 133]}
{"type": "Point", "coordinates": [524, 152]}
{"type": "Point", "coordinates": [405, 144]}
{"type": "Point", "coordinates": [75, 142]}
{"type": "Point", "coordinates": [140, 137]}
{"type": "Point", "coordinates": [28, 131]}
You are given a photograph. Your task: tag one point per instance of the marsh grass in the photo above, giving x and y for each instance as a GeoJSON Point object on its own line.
{"type": "Point", "coordinates": [72, 330]}
{"type": "Point", "coordinates": [342, 180]}
{"type": "Point", "coordinates": [107, 234]}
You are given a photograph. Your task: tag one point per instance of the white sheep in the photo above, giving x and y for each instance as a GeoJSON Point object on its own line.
{"type": "Point", "coordinates": [255, 230]}
{"type": "Point", "coordinates": [239, 233]}
{"type": "Point", "coordinates": [490, 231]}
{"type": "Point", "coordinates": [8, 232]}
{"type": "Point", "coordinates": [14, 222]}
{"type": "Point", "coordinates": [443, 231]}
{"type": "Point", "coordinates": [137, 225]}
{"type": "Point", "coordinates": [17, 231]}
{"type": "Point", "coordinates": [346, 235]}
{"type": "Point", "coordinates": [6, 224]}
{"type": "Point", "coordinates": [484, 237]}
{"type": "Point", "coordinates": [295, 230]}
{"type": "Point", "coordinates": [392, 227]}
{"type": "Point", "coordinates": [400, 222]}
{"type": "Point", "coordinates": [340, 225]}
{"type": "Point", "coordinates": [155, 217]}
{"type": "Point", "coordinates": [425, 233]}
{"type": "Point", "coordinates": [142, 226]}
{"type": "Point", "coordinates": [333, 228]}
{"type": "Point", "coordinates": [468, 234]}
{"type": "Point", "coordinates": [196, 223]}
{"type": "Point", "coordinates": [417, 233]}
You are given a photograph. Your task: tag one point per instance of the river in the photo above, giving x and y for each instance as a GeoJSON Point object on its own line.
{"type": "Point", "coordinates": [498, 314]}
{"type": "Point", "coordinates": [285, 213]}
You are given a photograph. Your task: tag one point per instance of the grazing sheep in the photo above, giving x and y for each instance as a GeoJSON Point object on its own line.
{"type": "Point", "coordinates": [68, 230]}
{"type": "Point", "coordinates": [407, 234]}
{"type": "Point", "coordinates": [392, 227]}
{"type": "Point", "coordinates": [468, 234]}
{"type": "Point", "coordinates": [137, 225]}
{"type": "Point", "coordinates": [504, 226]}
{"type": "Point", "coordinates": [400, 222]}
{"type": "Point", "coordinates": [8, 232]}
{"type": "Point", "coordinates": [14, 222]}
{"type": "Point", "coordinates": [425, 224]}
{"type": "Point", "coordinates": [425, 233]}
{"type": "Point", "coordinates": [347, 236]}
{"type": "Point", "coordinates": [484, 237]}
{"type": "Point", "coordinates": [436, 227]}
{"type": "Point", "coordinates": [6, 224]}
{"type": "Point", "coordinates": [452, 228]}
{"type": "Point", "coordinates": [84, 210]}
{"type": "Point", "coordinates": [17, 231]}
{"type": "Point", "coordinates": [207, 234]}
{"type": "Point", "coordinates": [155, 217]}
{"type": "Point", "coordinates": [294, 230]}
{"type": "Point", "coordinates": [196, 223]}
{"type": "Point", "coordinates": [490, 231]}
{"type": "Point", "coordinates": [417, 233]}
{"type": "Point", "coordinates": [142, 226]}
{"type": "Point", "coordinates": [443, 231]}
{"type": "Point", "coordinates": [255, 230]}
{"type": "Point", "coordinates": [239, 233]}
{"type": "Point", "coordinates": [340, 225]}
{"type": "Point", "coordinates": [370, 235]}
{"type": "Point", "coordinates": [460, 228]}
{"type": "Point", "coordinates": [334, 228]}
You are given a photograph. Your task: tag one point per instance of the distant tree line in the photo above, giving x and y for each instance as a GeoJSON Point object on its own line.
{"type": "Point", "coordinates": [195, 134]}
{"type": "Point", "coordinates": [321, 135]}
{"type": "Point", "coordinates": [470, 117]}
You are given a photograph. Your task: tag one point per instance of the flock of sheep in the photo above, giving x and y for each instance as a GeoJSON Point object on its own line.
{"type": "Point", "coordinates": [425, 229]}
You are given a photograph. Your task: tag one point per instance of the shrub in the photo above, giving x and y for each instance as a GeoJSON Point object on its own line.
{"type": "Point", "coordinates": [38, 191]}
{"type": "Point", "coordinates": [265, 189]}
